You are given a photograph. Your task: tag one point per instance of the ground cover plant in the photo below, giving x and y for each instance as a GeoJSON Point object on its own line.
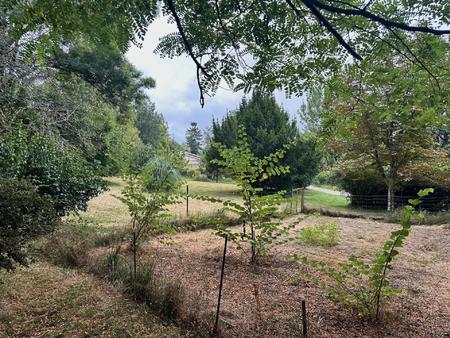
{"type": "Point", "coordinates": [326, 234]}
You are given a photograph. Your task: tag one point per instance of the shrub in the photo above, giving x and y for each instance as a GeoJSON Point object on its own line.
{"type": "Point", "coordinates": [325, 177]}
{"type": "Point", "coordinates": [60, 173]}
{"type": "Point", "coordinates": [146, 209]}
{"type": "Point", "coordinates": [325, 235]}
{"type": "Point", "coordinates": [24, 216]}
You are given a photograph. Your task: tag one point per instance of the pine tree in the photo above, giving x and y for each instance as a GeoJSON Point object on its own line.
{"type": "Point", "coordinates": [194, 138]}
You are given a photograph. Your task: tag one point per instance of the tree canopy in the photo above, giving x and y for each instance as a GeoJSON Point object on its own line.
{"type": "Point", "coordinates": [288, 45]}
{"type": "Point", "coordinates": [387, 114]}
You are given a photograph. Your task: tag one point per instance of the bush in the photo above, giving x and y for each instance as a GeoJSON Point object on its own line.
{"type": "Point", "coordinates": [325, 235]}
{"type": "Point", "coordinates": [24, 216]}
{"type": "Point", "coordinates": [60, 173]}
{"type": "Point", "coordinates": [368, 190]}
{"type": "Point", "coordinates": [325, 177]}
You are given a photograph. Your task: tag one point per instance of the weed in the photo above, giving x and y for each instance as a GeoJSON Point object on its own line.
{"type": "Point", "coordinates": [325, 235]}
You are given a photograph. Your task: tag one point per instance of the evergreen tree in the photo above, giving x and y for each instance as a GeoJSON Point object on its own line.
{"type": "Point", "coordinates": [194, 138]}
{"type": "Point", "coordinates": [268, 128]}
{"type": "Point", "coordinates": [151, 124]}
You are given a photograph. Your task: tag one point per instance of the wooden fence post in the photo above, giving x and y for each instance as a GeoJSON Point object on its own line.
{"type": "Point", "coordinates": [302, 202]}
{"type": "Point", "coordinates": [187, 200]}
{"type": "Point", "coordinates": [216, 324]}
{"type": "Point", "coordinates": [304, 320]}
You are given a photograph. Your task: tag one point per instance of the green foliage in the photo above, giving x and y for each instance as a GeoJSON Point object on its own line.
{"type": "Point", "coordinates": [325, 235]}
{"type": "Point", "coordinates": [311, 112]}
{"type": "Point", "coordinates": [325, 177]}
{"type": "Point", "coordinates": [24, 216]}
{"type": "Point", "coordinates": [146, 199]}
{"type": "Point", "coordinates": [101, 22]}
{"type": "Point", "coordinates": [57, 172]}
{"type": "Point", "coordinates": [107, 70]}
{"type": "Point", "coordinates": [123, 149]}
{"type": "Point", "coordinates": [257, 209]}
{"type": "Point", "coordinates": [268, 128]}
{"type": "Point", "coordinates": [380, 115]}
{"type": "Point", "coordinates": [160, 175]}
{"type": "Point", "coordinates": [355, 283]}
{"type": "Point", "coordinates": [293, 45]}
{"type": "Point", "coordinates": [194, 138]}
{"type": "Point", "coordinates": [151, 125]}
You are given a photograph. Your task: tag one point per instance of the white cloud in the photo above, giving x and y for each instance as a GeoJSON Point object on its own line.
{"type": "Point", "coordinates": [176, 94]}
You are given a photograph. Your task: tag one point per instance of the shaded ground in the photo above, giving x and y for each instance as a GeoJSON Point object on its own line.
{"type": "Point", "coordinates": [48, 301]}
{"type": "Point", "coordinates": [264, 302]}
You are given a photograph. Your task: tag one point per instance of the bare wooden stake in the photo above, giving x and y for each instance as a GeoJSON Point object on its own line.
{"type": "Point", "coordinates": [221, 285]}
{"type": "Point", "coordinates": [302, 202]}
{"type": "Point", "coordinates": [187, 200]}
{"type": "Point", "coordinates": [304, 320]}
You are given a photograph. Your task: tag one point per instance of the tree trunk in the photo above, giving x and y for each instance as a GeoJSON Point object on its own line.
{"type": "Point", "coordinates": [252, 231]}
{"type": "Point", "coordinates": [390, 198]}
{"type": "Point", "coordinates": [134, 254]}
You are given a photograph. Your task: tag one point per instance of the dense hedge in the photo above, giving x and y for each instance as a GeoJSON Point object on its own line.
{"type": "Point", "coordinates": [58, 172]}
{"type": "Point", "coordinates": [24, 215]}
{"type": "Point", "coordinates": [367, 190]}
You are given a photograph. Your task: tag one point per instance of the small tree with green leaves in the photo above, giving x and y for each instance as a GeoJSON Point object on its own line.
{"type": "Point", "coordinates": [257, 210]}
{"type": "Point", "coordinates": [355, 283]}
{"type": "Point", "coordinates": [147, 197]}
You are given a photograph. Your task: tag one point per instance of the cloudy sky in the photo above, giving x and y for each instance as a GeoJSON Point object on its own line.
{"type": "Point", "coordinates": [176, 94]}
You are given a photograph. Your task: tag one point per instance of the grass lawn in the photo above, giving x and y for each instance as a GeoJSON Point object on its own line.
{"type": "Point", "coordinates": [321, 200]}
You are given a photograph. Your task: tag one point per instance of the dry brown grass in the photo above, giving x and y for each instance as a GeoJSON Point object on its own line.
{"type": "Point", "coordinates": [48, 301]}
{"type": "Point", "coordinates": [264, 302]}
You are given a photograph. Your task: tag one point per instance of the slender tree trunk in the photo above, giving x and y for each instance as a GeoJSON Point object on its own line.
{"type": "Point", "coordinates": [134, 248]}
{"type": "Point", "coordinates": [252, 231]}
{"type": "Point", "coordinates": [134, 254]}
{"type": "Point", "coordinates": [390, 198]}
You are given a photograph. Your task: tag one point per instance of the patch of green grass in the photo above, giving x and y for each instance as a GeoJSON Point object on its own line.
{"type": "Point", "coordinates": [325, 235]}
{"type": "Point", "coordinates": [322, 200]}
{"type": "Point", "coordinates": [317, 199]}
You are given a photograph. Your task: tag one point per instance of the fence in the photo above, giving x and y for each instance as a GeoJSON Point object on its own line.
{"type": "Point", "coordinates": [431, 203]}
{"type": "Point", "coordinates": [301, 202]}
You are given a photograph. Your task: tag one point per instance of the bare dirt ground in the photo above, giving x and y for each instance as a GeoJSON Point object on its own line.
{"type": "Point", "coordinates": [263, 302]}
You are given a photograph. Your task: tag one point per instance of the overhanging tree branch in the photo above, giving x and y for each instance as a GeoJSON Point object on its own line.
{"type": "Point", "coordinates": [327, 25]}
{"type": "Point", "coordinates": [188, 46]}
{"type": "Point", "coordinates": [373, 17]}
